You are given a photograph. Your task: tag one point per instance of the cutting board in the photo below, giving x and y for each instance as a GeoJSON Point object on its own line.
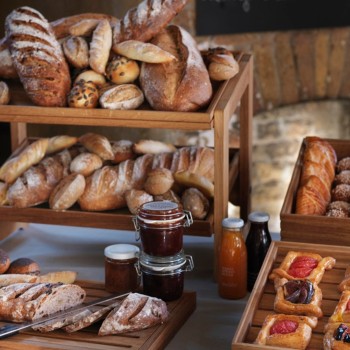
{"type": "Point", "coordinates": [153, 338]}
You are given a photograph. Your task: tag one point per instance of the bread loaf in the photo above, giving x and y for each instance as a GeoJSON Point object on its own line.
{"type": "Point", "coordinates": [60, 142]}
{"type": "Point", "coordinates": [24, 266]}
{"type": "Point", "coordinates": [37, 57]}
{"type": "Point", "coordinates": [7, 68]}
{"type": "Point", "coordinates": [86, 163]}
{"type": "Point", "coordinates": [135, 198]}
{"type": "Point", "coordinates": [182, 84]}
{"type": "Point", "coordinates": [194, 201]}
{"type": "Point", "coordinates": [123, 150]}
{"type": "Point", "coordinates": [146, 20]}
{"type": "Point", "coordinates": [98, 144]}
{"type": "Point", "coordinates": [41, 300]}
{"type": "Point", "coordinates": [3, 193]}
{"type": "Point", "coordinates": [4, 261]}
{"type": "Point", "coordinates": [158, 181]}
{"type": "Point", "coordinates": [136, 312]}
{"type": "Point", "coordinates": [84, 28]}
{"type": "Point", "coordinates": [4, 93]}
{"type": "Point", "coordinates": [153, 147]}
{"type": "Point", "coordinates": [76, 51]}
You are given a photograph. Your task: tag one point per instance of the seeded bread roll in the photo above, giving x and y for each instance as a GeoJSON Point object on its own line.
{"type": "Point", "coordinates": [38, 57]}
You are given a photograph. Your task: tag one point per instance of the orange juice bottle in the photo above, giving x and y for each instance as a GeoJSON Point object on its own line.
{"type": "Point", "coordinates": [232, 271]}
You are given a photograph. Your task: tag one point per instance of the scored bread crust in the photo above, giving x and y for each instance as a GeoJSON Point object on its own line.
{"type": "Point", "coordinates": [38, 57]}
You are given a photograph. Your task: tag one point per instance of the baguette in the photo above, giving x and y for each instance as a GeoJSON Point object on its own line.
{"type": "Point", "coordinates": [146, 20]}
{"type": "Point", "coordinates": [153, 147]}
{"type": "Point", "coordinates": [174, 86]}
{"type": "Point", "coordinates": [38, 57]}
{"type": "Point", "coordinates": [60, 142]}
{"type": "Point", "coordinates": [31, 155]}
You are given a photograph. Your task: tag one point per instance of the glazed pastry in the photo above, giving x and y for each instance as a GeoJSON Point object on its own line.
{"type": "Point", "coordinates": [301, 266]}
{"type": "Point", "coordinates": [287, 331]}
{"type": "Point", "coordinates": [298, 297]}
{"type": "Point", "coordinates": [342, 310]}
{"type": "Point", "coordinates": [345, 283]}
{"type": "Point", "coordinates": [337, 336]}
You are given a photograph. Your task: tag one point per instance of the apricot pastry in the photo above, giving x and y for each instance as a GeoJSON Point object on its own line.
{"type": "Point", "coordinates": [337, 336]}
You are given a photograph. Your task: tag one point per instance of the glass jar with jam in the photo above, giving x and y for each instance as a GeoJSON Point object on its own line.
{"type": "Point", "coordinates": [160, 225]}
{"type": "Point", "coordinates": [163, 277]}
{"type": "Point", "coordinates": [232, 271]}
{"type": "Point", "coordinates": [121, 268]}
{"type": "Point", "coordinates": [258, 242]}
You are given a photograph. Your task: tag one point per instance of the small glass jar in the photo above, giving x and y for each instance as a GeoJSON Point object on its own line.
{"type": "Point", "coordinates": [163, 277]}
{"type": "Point", "coordinates": [160, 225]}
{"type": "Point", "coordinates": [121, 271]}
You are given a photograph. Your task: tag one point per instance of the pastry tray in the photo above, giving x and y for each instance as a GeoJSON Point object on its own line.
{"type": "Point", "coordinates": [262, 297]}
{"type": "Point", "coordinates": [156, 337]}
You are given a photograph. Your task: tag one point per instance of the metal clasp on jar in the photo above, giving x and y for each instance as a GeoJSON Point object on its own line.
{"type": "Point", "coordinates": [189, 219]}
{"type": "Point", "coordinates": [137, 228]}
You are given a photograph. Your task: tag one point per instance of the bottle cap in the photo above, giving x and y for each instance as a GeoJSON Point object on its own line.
{"type": "Point", "coordinates": [121, 251]}
{"type": "Point", "coordinates": [232, 223]}
{"type": "Point", "coordinates": [258, 216]}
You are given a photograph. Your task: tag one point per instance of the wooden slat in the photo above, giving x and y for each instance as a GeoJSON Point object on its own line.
{"type": "Point", "coordinates": [261, 300]}
{"type": "Point", "coordinates": [153, 338]}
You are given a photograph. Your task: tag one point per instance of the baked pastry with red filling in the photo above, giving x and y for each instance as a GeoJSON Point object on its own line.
{"type": "Point", "coordinates": [345, 283]}
{"type": "Point", "coordinates": [298, 297]}
{"type": "Point", "coordinates": [288, 331]}
{"type": "Point", "coordinates": [303, 265]}
{"type": "Point", "coordinates": [337, 336]}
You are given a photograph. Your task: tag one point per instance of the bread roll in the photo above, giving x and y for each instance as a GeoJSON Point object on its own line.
{"type": "Point", "coordinates": [125, 96]}
{"type": "Point", "coordinates": [67, 192]}
{"type": "Point", "coordinates": [135, 198]}
{"type": "Point", "coordinates": [158, 181]}
{"type": "Point", "coordinates": [194, 201]}
{"type": "Point", "coordinates": [24, 266]}
{"type": "Point", "coordinates": [98, 144]}
{"type": "Point", "coordinates": [187, 179]}
{"type": "Point", "coordinates": [60, 142]}
{"type": "Point", "coordinates": [100, 46]}
{"type": "Point", "coordinates": [76, 51]}
{"type": "Point", "coordinates": [4, 93]}
{"type": "Point", "coordinates": [123, 150]}
{"type": "Point", "coordinates": [146, 20]}
{"type": "Point", "coordinates": [169, 196]}
{"type": "Point", "coordinates": [153, 147]}
{"type": "Point", "coordinates": [144, 52]}
{"type": "Point", "coordinates": [86, 163]}
{"type": "Point", "coordinates": [84, 94]}
{"type": "Point", "coordinates": [4, 261]}
{"type": "Point", "coordinates": [343, 164]}
{"type": "Point", "coordinates": [84, 27]}
{"type": "Point", "coordinates": [91, 76]}
{"type": "Point", "coordinates": [31, 155]}
{"type": "Point", "coordinates": [122, 70]}
{"type": "Point", "coordinates": [38, 57]}
{"type": "Point", "coordinates": [174, 86]}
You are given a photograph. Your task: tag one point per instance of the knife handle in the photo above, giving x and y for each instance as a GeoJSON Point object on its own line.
{"type": "Point", "coordinates": [8, 330]}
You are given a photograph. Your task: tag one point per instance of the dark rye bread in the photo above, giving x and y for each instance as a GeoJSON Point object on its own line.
{"type": "Point", "coordinates": [37, 57]}
{"type": "Point", "coordinates": [35, 300]}
{"type": "Point", "coordinates": [146, 20]}
{"type": "Point", "coordinates": [136, 312]}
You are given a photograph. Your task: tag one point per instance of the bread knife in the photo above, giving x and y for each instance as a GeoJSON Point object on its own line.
{"type": "Point", "coordinates": [12, 329]}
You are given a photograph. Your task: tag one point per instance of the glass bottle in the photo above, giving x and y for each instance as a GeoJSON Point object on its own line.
{"type": "Point", "coordinates": [232, 271]}
{"type": "Point", "coordinates": [258, 242]}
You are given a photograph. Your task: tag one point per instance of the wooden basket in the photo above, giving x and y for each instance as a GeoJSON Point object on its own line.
{"type": "Point", "coordinates": [313, 228]}
{"type": "Point", "coordinates": [261, 300]}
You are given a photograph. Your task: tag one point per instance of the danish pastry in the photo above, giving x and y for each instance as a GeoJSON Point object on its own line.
{"type": "Point", "coordinates": [298, 297]}
{"type": "Point", "coordinates": [342, 310]}
{"type": "Point", "coordinates": [287, 331]}
{"type": "Point", "coordinates": [303, 265]}
{"type": "Point", "coordinates": [337, 336]}
{"type": "Point", "coordinates": [345, 283]}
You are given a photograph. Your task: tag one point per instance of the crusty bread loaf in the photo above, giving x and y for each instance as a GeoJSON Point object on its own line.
{"type": "Point", "coordinates": [76, 51]}
{"type": "Point", "coordinates": [100, 46]}
{"type": "Point", "coordinates": [4, 93]}
{"type": "Point", "coordinates": [188, 179]}
{"type": "Point", "coordinates": [97, 144]}
{"type": "Point", "coordinates": [159, 181]}
{"type": "Point", "coordinates": [60, 142]}
{"type": "Point", "coordinates": [7, 68]}
{"type": "Point", "coordinates": [84, 28]}
{"type": "Point", "coordinates": [146, 20]}
{"type": "Point", "coordinates": [85, 163]}
{"type": "Point", "coordinates": [135, 198]}
{"type": "Point", "coordinates": [123, 150]}
{"type": "Point", "coordinates": [24, 266]}
{"type": "Point", "coordinates": [153, 147]}
{"type": "Point", "coordinates": [41, 300]}
{"type": "Point", "coordinates": [37, 57]}
{"type": "Point", "coordinates": [5, 261]}
{"type": "Point", "coordinates": [182, 84]}
{"type": "Point", "coordinates": [31, 155]}
{"type": "Point", "coordinates": [136, 312]}
{"type": "Point", "coordinates": [194, 201]}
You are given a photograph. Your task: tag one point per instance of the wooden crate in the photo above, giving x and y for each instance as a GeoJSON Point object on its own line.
{"type": "Point", "coordinates": [313, 228]}
{"type": "Point", "coordinates": [155, 338]}
{"type": "Point", "coordinates": [262, 297]}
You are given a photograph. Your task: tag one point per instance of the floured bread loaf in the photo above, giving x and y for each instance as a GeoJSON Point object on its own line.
{"type": "Point", "coordinates": [30, 301]}
{"type": "Point", "coordinates": [37, 57]}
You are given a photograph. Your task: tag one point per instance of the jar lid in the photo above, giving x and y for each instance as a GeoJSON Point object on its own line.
{"type": "Point", "coordinates": [122, 251]}
{"type": "Point", "coordinates": [162, 263]}
{"type": "Point", "coordinates": [151, 212]}
{"type": "Point", "coordinates": [258, 216]}
{"type": "Point", "coordinates": [232, 223]}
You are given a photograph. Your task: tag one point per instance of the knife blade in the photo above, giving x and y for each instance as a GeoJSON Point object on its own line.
{"type": "Point", "coordinates": [12, 329]}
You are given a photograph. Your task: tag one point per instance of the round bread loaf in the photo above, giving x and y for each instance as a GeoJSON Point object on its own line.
{"type": "Point", "coordinates": [194, 201]}
{"type": "Point", "coordinates": [89, 75]}
{"type": "Point", "coordinates": [4, 261]}
{"type": "Point", "coordinates": [122, 70]}
{"type": "Point", "coordinates": [343, 164]}
{"type": "Point", "coordinates": [76, 50]}
{"type": "Point", "coordinates": [85, 163]}
{"type": "Point", "coordinates": [24, 266]}
{"type": "Point", "coordinates": [159, 181]}
{"type": "Point", "coordinates": [84, 94]}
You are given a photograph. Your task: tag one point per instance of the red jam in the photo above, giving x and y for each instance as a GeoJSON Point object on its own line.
{"type": "Point", "coordinates": [302, 266]}
{"type": "Point", "coordinates": [121, 273]}
{"type": "Point", "coordinates": [283, 327]}
{"type": "Point", "coordinates": [161, 226]}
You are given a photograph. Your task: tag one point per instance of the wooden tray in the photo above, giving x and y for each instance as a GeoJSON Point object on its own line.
{"type": "Point", "coordinates": [313, 228]}
{"type": "Point", "coordinates": [261, 300]}
{"type": "Point", "coordinates": [153, 338]}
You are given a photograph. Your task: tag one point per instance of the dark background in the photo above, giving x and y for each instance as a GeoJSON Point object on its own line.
{"type": "Point", "coordinates": [240, 16]}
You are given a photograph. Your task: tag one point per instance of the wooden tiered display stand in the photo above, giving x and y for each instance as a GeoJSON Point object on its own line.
{"type": "Point", "coordinates": [233, 95]}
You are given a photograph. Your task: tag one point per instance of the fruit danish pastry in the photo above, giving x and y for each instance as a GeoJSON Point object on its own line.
{"type": "Point", "coordinates": [298, 297]}
{"type": "Point", "coordinates": [303, 265]}
{"type": "Point", "coordinates": [342, 310]}
{"type": "Point", "coordinates": [288, 331]}
{"type": "Point", "coordinates": [345, 283]}
{"type": "Point", "coordinates": [337, 336]}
